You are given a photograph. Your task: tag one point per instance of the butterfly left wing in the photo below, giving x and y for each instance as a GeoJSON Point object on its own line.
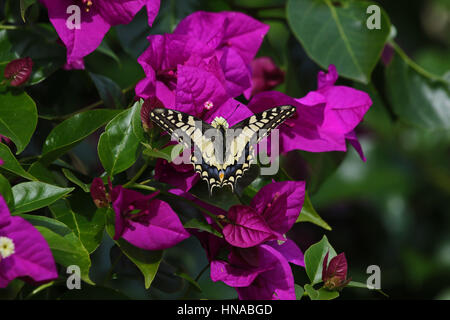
{"type": "Point", "coordinates": [243, 135]}
{"type": "Point", "coordinates": [186, 129]}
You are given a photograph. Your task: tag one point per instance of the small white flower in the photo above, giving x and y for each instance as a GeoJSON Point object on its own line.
{"type": "Point", "coordinates": [6, 247]}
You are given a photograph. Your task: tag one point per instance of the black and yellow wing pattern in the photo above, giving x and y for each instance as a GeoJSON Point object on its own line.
{"type": "Point", "coordinates": [221, 155]}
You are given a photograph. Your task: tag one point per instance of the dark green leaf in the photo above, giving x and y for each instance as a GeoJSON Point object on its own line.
{"type": "Point", "coordinates": [72, 131]}
{"type": "Point", "coordinates": [109, 91]}
{"type": "Point", "coordinates": [203, 226]}
{"type": "Point", "coordinates": [67, 249]}
{"type": "Point", "coordinates": [80, 215]}
{"type": "Point", "coordinates": [24, 5]}
{"type": "Point", "coordinates": [189, 279]}
{"type": "Point", "coordinates": [314, 258]}
{"type": "Point", "coordinates": [309, 214]}
{"type": "Point", "coordinates": [18, 118]}
{"type": "Point", "coordinates": [168, 153]}
{"type": "Point", "coordinates": [6, 53]}
{"type": "Point", "coordinates": [30, 196]}
{"type": "Point", "coordinates": [11, 164]}
{"type": "Point", "coordinates": [298, 291]}
{"type": "Point", "coordinates": [321, 294]}
{"type": "Point", "coordinates": [6, 192]}
{"type": "Point", "coordinates": [42, 173]}
{"type": "Point", "coordinates": [106, 50]}
{"type": "Point", "coordinates": [147, 261]}
{"type": "Point", "coordinates": [119, 146]}
{"type": "Point", "coordinates": [73, 178]}
{"type": "Point", "coordinates": [335, 32]}
{"type": "Point", "coordinates": [417, 97]}
{"type": "Point", "coordinates": [39, 42]}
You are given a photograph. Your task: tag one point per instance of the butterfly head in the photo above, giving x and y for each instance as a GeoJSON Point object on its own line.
{"type": "Point", "coordinates": [220, 123]}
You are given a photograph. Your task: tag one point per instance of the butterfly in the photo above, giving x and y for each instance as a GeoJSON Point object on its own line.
{"type": "Point", "coordinates": [222, 154]}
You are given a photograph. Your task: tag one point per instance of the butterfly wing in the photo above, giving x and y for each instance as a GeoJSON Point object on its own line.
{"type": "Point", "coordinates": [186, 129]}
{"type": "Point", "coordinates": [244, 135]}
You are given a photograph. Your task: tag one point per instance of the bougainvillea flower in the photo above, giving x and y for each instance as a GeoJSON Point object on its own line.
{"type": "Point", "coordinates": [203, 63]}
{"type": "Point", "coordinates": [266, 75]}
{"type": "Point", "coordinates": [272, 212]}
{"type": "Point", "coordinates": [258, 273]}
{"type": "Point", "coordinates": [334, 274]}
{"type": "Point", "coordinates": [325, 118]}
{"type": "Point", "coordinates": [261, 271]}
{"type": "Point", "coordinates": [180, 176]}
{"type": "Point", "coordinates": [18, 71]}
{"type": "Point", "coordinates": [247, 228]}
{"type": "Point", "coordinates": [96, 18]}
{"type": "Point", "coordinates": [145, 222]}
{"type": "Point", "coordinates": [182, 73]}
{"type": "Point", "coordinates": [24, 253]}
{"type": "Point", "coordinates": [235, 38]}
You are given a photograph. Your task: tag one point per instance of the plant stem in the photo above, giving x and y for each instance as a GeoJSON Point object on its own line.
{"type": "Point", "coordinates": [136, 176]}
{"type": "Point", "coordinates": [201, 273]}
{"type": "Point", "coordinates": [414, 65]}
{"type": "Point", "coordinates": [111, 269]}
{"type": "Point", "coordinates": [8, 27]}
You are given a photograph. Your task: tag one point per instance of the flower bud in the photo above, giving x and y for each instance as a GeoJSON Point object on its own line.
{"type": "Point", "coordinates": [149, 104]}
{"type": "Point", "coordinates": [334, 274]}
{"type": "Point", "coordinates": [18, 71]}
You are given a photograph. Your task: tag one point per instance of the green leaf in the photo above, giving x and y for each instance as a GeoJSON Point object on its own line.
{"type": "Point", "coordinates": [18, 117]}
{"type": "Point", "coordinates": [6, 53]}
{"type": "Point", "coordinates": [66, 247]}
{"type": "Point", "coordinates": [80, 215]}
{"type": "Point", "coordinates": [73, 178]}
{"type": "Point", "coordinates": [417, 97]}
{"type": "Point", "coordinates": [42, 173]}
{"type": "Point", "coordinates": [189, 279]}
{"type": "Point", "coordinates": [11, 164]}
{"type": "Point", "coordinates": [72, 131]}
{"type": "Point", "coordinates": [321, 166]}
{"type": "Point", "coordinates": [356, 284]}
{"type": "Point", "coordinates": [298, 291]}
{"type": "Point", "coordinates": [30, 196]}
{"type": "Point", "coordinates": [309, 214]}
{"type": "Point", "coordinates": [147, 261]}
{"type": "Point", "coordinates": [201, 225]}
{"type": "Point", "coordinates": [119, 146]}
{"type": "Point", "coordinates": [321, 294]}
{"type": "Point", "coordinates": [133, 36]}
{"type": "Point", "coordinates": [6, 192]}
{"type": "Point", "coordinates": [109, 91]}
{"type": "Point", "coordinates": [314, 259]}
{"type": "Point", "coordinates": [24, 5]}
{"type": "Point", "coordinates": [106, 50]}
{"type": "Point", "coordinates": [12, 290]}
{"type": "Point", "coordinates": [168, 153]}
{"type": "Point", "coordinates": [335, 32]}
{"type": "Point", "coordinates": [39, 42]}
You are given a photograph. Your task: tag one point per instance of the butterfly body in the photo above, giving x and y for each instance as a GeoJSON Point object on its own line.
{"type": "Point", "coordinates": [221, 154]}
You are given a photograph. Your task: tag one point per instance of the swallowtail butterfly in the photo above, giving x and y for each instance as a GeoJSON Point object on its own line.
{"type": "Point", "coordinates": [221, 154]}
